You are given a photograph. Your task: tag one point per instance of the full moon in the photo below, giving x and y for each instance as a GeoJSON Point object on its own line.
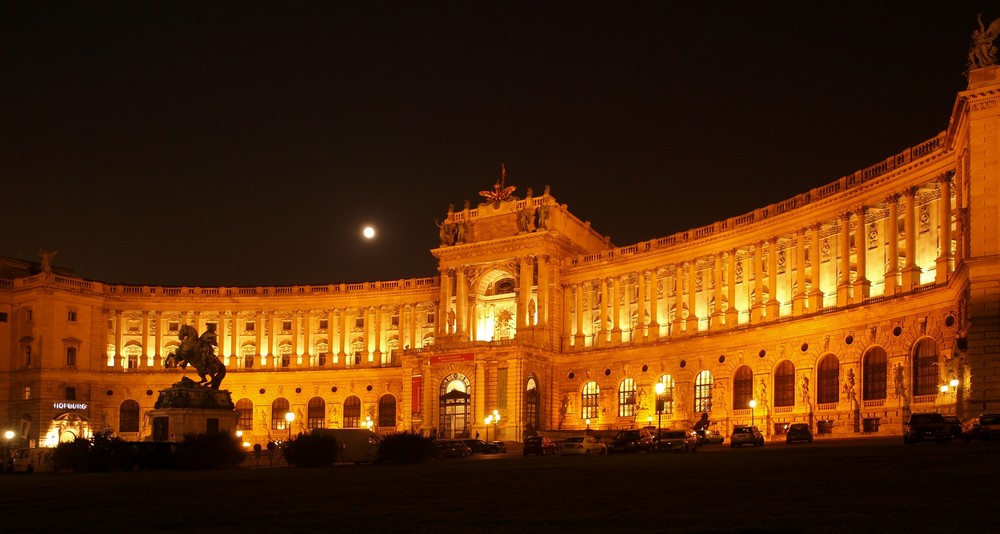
{"type": "Point", "coordinates": [368, 232]}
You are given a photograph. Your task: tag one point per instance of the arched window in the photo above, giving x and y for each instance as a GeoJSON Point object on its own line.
{"type": "Point", "coordinates": [925, 368]}
{"type": "Point", "coordinates": [316, 413]}
{"type": "Point", "coordinates": [703, 392]}
{"type": "Point", "coordinates": [875, 374]}
{"type": "Point", "coordinates": [589, 408]}
{"type": "Point", "coordinates": [829, 380]}
{"type": "Point", "coordinates": [626, 398]}
{"type": "Point", "coordinates": [784, 384]}
{"type": "Point", "coordinates": [387, 412]}
{"type": "Point", "coordinates": [278, 410]}
{"type": "Point", "coordinates": [665, 404]}
{"type": "Point", "coordinates": [531, 404]}
{"type": "Point", "coordinates": [244, 407]}
{"type": "Point", "coordinates": [128, 416]}
{"type": "Point", "coordinates": [352, 412]}
{"type": "Point", "coordinates": [742, 388]}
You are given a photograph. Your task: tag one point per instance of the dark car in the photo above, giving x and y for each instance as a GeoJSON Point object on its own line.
{"type": "Point", "coordinates": [677, 440]}
{"type": "Point", "coordinates": [926, 427]}
{"type": "Point", "coordinates": [954, 426]}
{"type": "Point", "coordinates": [451, 448]}
{"type": "Point", "coordinates": [539, 445]}
{"type": "Point", "coordinates": [478, 446]}
{"type": "Point", "coordinates": [984, 427]}
{"type": "Point", "coordinates": [799, 432]}
{"type": "Point", "coordinates": [501, 446]}
{"type": "Point", "coordinates": [635, 440]}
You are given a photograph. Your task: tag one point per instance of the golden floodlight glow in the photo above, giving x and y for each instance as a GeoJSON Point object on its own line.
{"type": "Point", "coordinates": [368, 232]}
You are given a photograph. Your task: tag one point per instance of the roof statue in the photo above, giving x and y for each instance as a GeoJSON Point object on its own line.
{"type": "Point", "coordinates": [501, 191]}
{"type": "Point", "coordinates": [982, 52]}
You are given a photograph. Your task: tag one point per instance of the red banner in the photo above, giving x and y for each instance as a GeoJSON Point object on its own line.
{"type": "Point", "coordinates": [452, 358]}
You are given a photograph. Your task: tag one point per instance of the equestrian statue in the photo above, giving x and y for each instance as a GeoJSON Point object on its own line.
{"type": "Point", "coordinates": [199, 351]}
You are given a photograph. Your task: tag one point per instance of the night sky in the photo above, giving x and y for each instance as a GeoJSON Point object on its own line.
{"type": "Point", "coordinates": [244, 144]}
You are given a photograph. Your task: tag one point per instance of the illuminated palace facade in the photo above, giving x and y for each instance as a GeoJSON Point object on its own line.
{"type": "Point", "coordinates": [847, 307]}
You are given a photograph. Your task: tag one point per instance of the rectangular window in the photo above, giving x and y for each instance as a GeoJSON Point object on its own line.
{"type": "Point", "coordinates": [430, 318]}
{"type": "Point", "coordinates": [359, 322]}
{"type": "Point", "coordinates": [394, 321]}
{"type": "Point", "coordinates": [27, 392]}
{"type": "Point", "coordinates": [71, 316]}
{"type": "Point", "coordinates": [70, 393]}
{"type": "Point", "coordinates": [70, 356]}
{"type": "Point", "coordinates": [286, 326]}
{"type": "Point", "coordinates": [173, 326]}
{"type": "Point", "coordinates": [323, 324]}
{"type": "Point", "coordinates": [3, 317]}
{"type": "Point", "coordinates": [249, 326]}
{"type": "Point", "coordinates": [27, 355]}
{"type": "Point", "coordinates": [27, 315]}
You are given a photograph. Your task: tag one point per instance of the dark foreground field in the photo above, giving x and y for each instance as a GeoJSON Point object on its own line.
{"type": "Point", "coordinates": [878, 486]}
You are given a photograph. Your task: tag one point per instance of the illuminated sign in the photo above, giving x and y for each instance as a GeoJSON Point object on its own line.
{"type": "Point", "coordinates": [69, 405]}
{"type": "Point", "coordinates": [452, 358]}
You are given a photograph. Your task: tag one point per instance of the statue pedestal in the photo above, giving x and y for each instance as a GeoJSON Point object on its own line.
{"type": "Point", "coordinates": [188, 408]}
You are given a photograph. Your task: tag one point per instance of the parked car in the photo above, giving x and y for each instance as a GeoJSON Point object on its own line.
{"type": "Point", "coordinates": [985, 427]}
{"type": "Point", "coordinates": [799, 432]}
{"type": "Point", "coordinates": [583, 445]}
{"type": "Point", "coordinates": [746, 435]}
{"type": "Point", "coordinates": [478, 446]}
{"type": "Point", "coordinates": [452, 448]}
{"type": "Point", "coordinates": [501, 446]}
{"type": "Point", "coordinates": [707, 436]}
{"type": "Point", "coordinates": [539, 445]}
{"type": "Point", "coordinates": [925, 427]}
{"type": "Point", "coordinates": [635, 440]}
{"type": "Point", "coordinates": [677, 440]}
{"type": "Point", "coordinates": [954, 426]}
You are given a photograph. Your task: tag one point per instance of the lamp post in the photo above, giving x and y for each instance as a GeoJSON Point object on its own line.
{"type": "Point", "coordinates": [587, 420]}
{"type": "Point", "coordinates": [753, 404]}
{"type": "Point", "coordinates": [488, 421]}
{"type": "Point", "coordinates": [660, 389]}
{"type": "Point", "coordinates": [496, 424]}
{"type": "Point", "coordinates": [289, 417]}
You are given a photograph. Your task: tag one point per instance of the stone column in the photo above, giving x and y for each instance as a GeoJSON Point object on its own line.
{"type": "Point", "coordinates": [911, 273]}
{"type": "Point", "coordinates": [862, 286]}
{"type": "Point", "coordinates": [892, 256]}
{"type": "Point", "coordinates": [640, 325]}
{"type": "Point", "coordinates": [717, 313]}
{"type": "Point", "coordinates": [732, 312]}
{"type": "Point", "coordinates": [524, 292]}
{"type": "Point", "coordinates": [147, 359]}
{"type": "Point", "coordinates": [692, 321]}
{"type": "Point", "coordinates": [603, 320]}
{"type": "Point", "coordinates": [544, 291]}
{"type": "Point", "coordinates": [773, 306]}
{"type": "Point", "coordinates": [158, 337]}
{"type": "Point", "coordinates": [461, 303]}
{"type": "Point", "coordinates": [296, 342]}
{"type": "Point", "coordinates": [654, 304]}
{"type": "Point", "coordinates": [119, 361]}
{"type": "Point", "coordinates": [816, 268]}
{"type": "Point", "coordinates": [944, 261]}
{"type": "Point", "coordinates": [365, 356]}
{"type": "Point", "coordinates": [445, 316]}
{"type": "Point", "coordinates": [757, 307]}
{"type": "Point", "coordinates": [678, 297]}
{"type": "Point", "coordinates": [799, 298]}
{"type": "Point", "coordinates": [343, 334]}
{"type": "Point", "coordinates": [844, 283]}
{"type": "Point", "coordinates": [377, 337]}
{"type": "Point", "coordinates": [579, 341]}
{"type": "Point", "coordinates": [616, 328]}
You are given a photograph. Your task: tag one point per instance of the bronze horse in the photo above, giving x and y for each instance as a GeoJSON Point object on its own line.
{"type": "Point", "coordinates": [200, 353]}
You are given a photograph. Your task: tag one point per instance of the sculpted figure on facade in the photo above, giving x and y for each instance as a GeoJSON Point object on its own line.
{"type": "Point", "coordinates": [983, 53]}
{"type": "Point", "coordinates": [47, 259]}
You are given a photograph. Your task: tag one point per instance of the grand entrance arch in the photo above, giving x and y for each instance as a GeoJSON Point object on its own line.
{"type": "Point", "coordinates": [455, 407]}
{"type": "Point", "coordinates": [65, 427]}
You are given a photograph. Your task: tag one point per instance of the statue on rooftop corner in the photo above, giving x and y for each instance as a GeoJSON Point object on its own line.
{"type": "Point", "coordinates": [982, 52]}
{"type": "Point", "coordinates": [200, 353]}
{"type": "Point", "coordinates": [501, 191]}
{"type": "Point", "coordinates": [47, 259]}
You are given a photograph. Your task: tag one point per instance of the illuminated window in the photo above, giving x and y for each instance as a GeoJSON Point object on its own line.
{"type": "Point", "coordinates": [244, 407]}
{"type": "Point", "coordinates": [626, 398]}
{"type": "Point", "coordinates": [128, 416]}
{"type": "Point", "coordinates": [531, 404]}
{"type": "Point", "coordinates": [667, 399]}
{"type": "Point", "coordinates": [703, 392]}
{"type": "Point", "coordinates": [316, 413]}
{"type": "Point", "coordinates": [352, 412]}
{"type": "Point", "coordinates": [925, 368]}
{"type": "Point", "coordinates": [278, 410]}
{"type": "Point", "coordinates": [589, 407]}
{"type": "Point", "coordinates": [27, 392]}
{"type": "Point", "coordinates": [285, 351]}
{"type": "Point", "coordinates": [387, 411]}
{"type": "Point", "coordinates": [875, 374]}
{"type": "Point", "coordinates": [784, 384]}
{"type": "Point", "coordinates": [248, 352]}
{"type": "Point", "coordinates": [829, 380]}
{"type": "Point", "coordinates": [132, 353]}
{"type": "Point", "coordinates": [742, 388]}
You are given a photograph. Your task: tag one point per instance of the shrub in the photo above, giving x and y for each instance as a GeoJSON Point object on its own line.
{"type": "Point", "coordinates": [209, 451]}
{"type": "Point", "coordinates": [72, 455]}
{"type": "Point", "coordinates": [405, 448]}
{"type": "Point", "coordinates": [101, 453]}
{"type": "Point", "coordinates": [312, 450]}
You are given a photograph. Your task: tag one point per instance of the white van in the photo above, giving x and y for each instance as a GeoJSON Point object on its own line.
{"type": "Point", "coordinates": [34, 460]}
{"type": "Point", "coordinates": [357, 445]}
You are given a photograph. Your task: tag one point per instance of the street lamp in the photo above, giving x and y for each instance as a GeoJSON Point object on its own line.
{"type": "Point", "coordinates": [488, 420]}
{"type": "Point", "coordinates": [289, 417]}
{"type": "Point", "coordinates": [753, 404]}
{"type": "Point", "coordinates": [7, 436]}
{"type": "Point", "coordinates": [660, 389]}
{"type": "Point", "coordinates": [496, 424]}
{"type": "Point", "coordinates": [587, 420]}
{"type": "Point", "coordinates": [368, 422]}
